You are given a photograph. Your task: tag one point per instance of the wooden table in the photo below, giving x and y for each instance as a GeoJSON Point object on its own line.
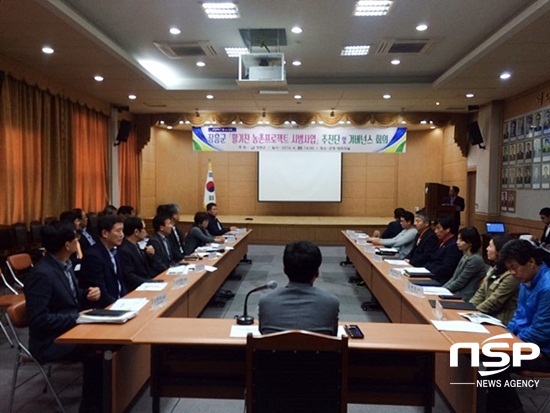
{"type": "Point", "coordinates": [393, 364]}
{"type": "Point", "coordinates": [406, 308]}
{"type": "Point", "coordinates": [127, 366]}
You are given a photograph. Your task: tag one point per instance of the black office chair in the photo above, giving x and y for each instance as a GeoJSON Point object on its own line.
{"type": "Point", "coordinates": [296, 371]}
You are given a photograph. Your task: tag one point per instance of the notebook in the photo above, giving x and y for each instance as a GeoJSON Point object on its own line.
{"type": "Point", "coordinates": [426, 283]}
{"type": "Point", "coordinates": [454, 305]}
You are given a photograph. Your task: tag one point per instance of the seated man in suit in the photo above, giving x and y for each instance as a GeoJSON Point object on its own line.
{"type": "Point", "coordinates": [545, 218]}
{"type": "Point", "coordinates": [425, 242]}
{"type": "Point", "coordinates": [215, 227]}
{"type": "Point", "coordinates": [176, 239]}
{"type": "Point", "coordinates": [163, 258]}
{"type": "Point", "coordinates": [86, 239]}
{"type": "Point", "coordinates": [54, 301]}
{"type": "Point", "coordinates": [133, 260]}
{"type": "Point", "coordinates": [101, 266]}
{"type": "Point", "coordinates": [300, 305]}
{"type": "Point", "coordinates": [445, 258]}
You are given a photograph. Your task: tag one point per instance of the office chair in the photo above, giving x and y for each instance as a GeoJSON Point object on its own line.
{"type": "Point", "coordinates": [6, 301]}
{"type": "Point", "coordinates": [17, 318]}
{"type": "Point", "coordinates": [532, 393]}
{"type": "Point", "coordinates": [19, 266]}
{"type": "Point", "coordinates": [296, 371]}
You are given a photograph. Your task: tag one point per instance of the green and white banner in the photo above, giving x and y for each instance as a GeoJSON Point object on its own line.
{"type": "Point", "coordinates": [318, 138]}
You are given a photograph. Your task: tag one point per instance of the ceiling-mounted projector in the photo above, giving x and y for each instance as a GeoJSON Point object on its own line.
{"type": "Point", "coordinates": [256, 69]}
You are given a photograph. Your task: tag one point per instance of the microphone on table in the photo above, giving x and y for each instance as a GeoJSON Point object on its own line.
{"type": "Point", "coordinates": [246, 319]}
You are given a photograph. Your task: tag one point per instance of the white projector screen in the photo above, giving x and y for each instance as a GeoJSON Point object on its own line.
{"type": "Point", "coordinates": [299, 177]}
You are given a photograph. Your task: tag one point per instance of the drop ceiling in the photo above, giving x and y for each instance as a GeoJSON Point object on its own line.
{"type": "Point", "coordinates": [468, 44]}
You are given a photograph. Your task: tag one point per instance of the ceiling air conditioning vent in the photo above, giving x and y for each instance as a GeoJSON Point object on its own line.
{"type": "Point", "coordinates": [404, 46]}
{"type": "Point", "coordinates": [154, 104]}
{"type": "Point", "coordinates": [187, 49]}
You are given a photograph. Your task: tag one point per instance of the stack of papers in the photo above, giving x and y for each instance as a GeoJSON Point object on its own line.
{"type": "Point", "coordinates": [152, 287]}
{"type": "Point", "coordinates": [461, 326]}
{"type": "Point", "coordinates": [418, 272]}
{"type": "Point", "coordinates": [129, 304]}
{"type": "Point", "coordinates": [105, 316]}
{"type": "Point", "coordinates": [480, 318]}
{"type": "Point", "coordinates": [396, 262]}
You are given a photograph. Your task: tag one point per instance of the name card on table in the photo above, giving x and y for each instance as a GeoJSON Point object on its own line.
{"type": "Point", "coordinates": [230, 239]}
{"type": "Point", "coordinates": [438, 310]}
{"type": "Point", "coordinates": [212, 255]}
{"type": "Point", "coordinates": [180, 282]}
{"type": "Point", "coordinates": [241, 231]}
{"type": "Point", "coordinates": [377, 258]}
{"type": "Point", "coordinates": [370, 248]}
{"type": "Point", "coordinates": [158, 301]}
{"type": "Point", "coordinates": [200, 267]}
{"type": "Point", "coordinates": [396, 273]}
{"type": "Point", "coordinates": [361, 241]}
{"type": "Point", "coordinates": [415, 290]}
{"type": "Point", "coordinates": [349, 232]}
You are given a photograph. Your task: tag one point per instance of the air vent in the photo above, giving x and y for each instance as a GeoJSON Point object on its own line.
{"type": "Point", "coordinates": [188, 49]}
{"type": "Point", "coordinates": [456, 108]}
{"type": "Point", "coordinates": [154, 104]}
{"type": "Point", "coordinates": [404, 46]}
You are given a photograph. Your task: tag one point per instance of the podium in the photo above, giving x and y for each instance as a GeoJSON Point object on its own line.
{"type": "Point", "coordinates": [433, 197]}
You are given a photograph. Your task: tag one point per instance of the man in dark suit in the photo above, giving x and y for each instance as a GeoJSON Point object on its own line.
{"type": "Point", "coordinates": [393, 228]}
{"type": "Point", "coordinates": [163, 257]}
{"type": "Point", "coordinates": [100, 265]}
{"type": "Point", "coordinates": [456, 201]}
{"type": "Point", "coordinates": [86, 239]}
{"type": "Point", "coordinates": [545, 218]}
{"type": "Point", "coordinates": [176, 239]}
{"type": "Point", "coordinates": [215, 227]}
{"type": "Point", "coordinates": [299, 305]}
{"type": "Point", "coordinates": [445, 258]}
{"type": "Point", "coordinates": [53, 302]}
{"type": "Point", "coordinates": [133, 260]}
{"type": "Point", "coordinates": [425, 244]}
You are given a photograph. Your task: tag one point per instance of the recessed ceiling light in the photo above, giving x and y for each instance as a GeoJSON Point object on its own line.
{"type": "Point", "coordinates": [296, 63]}
{"type": "Point", "coordinates": [132, 97]}
{"type": "Point", "coordinates": [505, 75]}
{"type": "Point", "coordinates": [297, 96]}
{"type": "Point", "coordinates": [469, 95]}
{"type": "Point", "coordinates": [187, 122]}
{"type": "Point", "coordinates": [386, 96]}
{"type": "Point", "coordinates": [372, 7]}
{"type": "Point", "coordinates": [423, 122]}
{"type": "Point", "coordinates": [98, 78]}
{"type": "Point", "coordinates": [161, 122]}
{"type": "Point", "coordinates": [296, 29]}
{"type": "Point", "coordinates": [201, 64]}
{"type": "Point", "coordinates": [169, 127]}
{"type": "Point", "coordinates": [395, 61]}
{"type": "Point", "coordinates": [432, 127]}
{"type": "Point", "coordinates": [403, 122]}
{"type": "Point", "coordinates": [221, 10]}
{"type": "Point", "coordinates": [236, 51]}
{"type": "Point", "coordinates": [341, 122]}
{"type": "Point", "coordinates": [209, 96]}
{"type": "Point", "coordinates": [437, 103]}
{"type": "Point", "coordinates": [355, 50]}
{"type": "Point", "coordinates": [180, 122]}
{"type": "Point", "coordinates": [47, 50]}
{"type": "Point", "coordinates": [175, 30]}
{"type": "Point", "coordinates": [422, 27]}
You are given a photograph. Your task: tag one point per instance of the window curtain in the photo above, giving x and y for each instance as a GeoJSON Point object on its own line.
{"type": "Point", "coordinates": [53, 154]}
{"type": "Point", "coordinates": [128, 171]}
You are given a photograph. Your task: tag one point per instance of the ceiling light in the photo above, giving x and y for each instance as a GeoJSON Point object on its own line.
{"type": "Point", "coordinates": [437, 103]}
{"type": "Point", "coordinates": [180, 122]}
{"type": "Point", "coordinates": [169, 127]}
{"type": "Point", "coordinates": [386, 96]}
{"type": "Point", "coordinates": [395, 62]}
{"type": "Point", "coordinates": [423, 122]}
{"type": "Point", "coordinates": [47, 50]}
{"type": "Point", "coordinates": [505, 75]}
{"type": "Point", "coordinates": [221, 10]}
{"type": "Point", "coordinates": [296, 63]}
{"type": "Point", "coordinates": [293, 122]}
{"type": "Point", "coordinates": [355, 50]}
{"type": "Point", "coordinates": [432, 127]}
{"type": "Point", "coordinates": [132, 97]}
{"type": "Point", "coordinates": [98, 78]}
{"type": "Point", "coordinates": [175, 30]}
{"type": "Point", "coordinates": [372, 7]}
{"type": "Point", "coordinates": [341, 122]}
{"type": "Point", "coordinates": [209, 96]}
{"type": "Point", "coordinates": [161, 122]}
{"type": "Point", "coordinates": [296, 29]}
{"type": "Point", "coordinates": [403, 122]}
{"type": "Point", "coordinates": [469, 95]}
{"type": "Point", "coordinates": [201, 64]}
{"type": "Point", "coordinates": [422, 27]}
{"type": "Point", "coordinates": [297, 96]}
{"type": "Point", "coordinates": [236, 51]}
{"type": "Point", "coordinates": [187, 122]}
{"type": "Point", "coordinates": [287, 122]}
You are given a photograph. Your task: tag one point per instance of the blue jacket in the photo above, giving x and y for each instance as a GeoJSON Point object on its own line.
{"type": "Point", "coordinates": [531, 321]}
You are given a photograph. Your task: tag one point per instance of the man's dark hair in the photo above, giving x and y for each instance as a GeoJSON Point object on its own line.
{"type": "Point", "coordinates": [107, 222]}
{"type": "Point", "coordinates": [200, 217]}
{"type": "Point", "coordinates": [109, 210]}
{"type": "Point", "coordinates": [398, 212]}
{"type": "Point", "coordinates": [447, 223]}
{"type": "Point", "coordinates": [545, 211]}
{"type": "Point", "coordinates": [125, 210]}
{"type": "Point", "coordinates": [407, 216]}
{"type": "Point", "coordinates": [70, 216]}
{"type": "Point", "coordinates": [210, 205]}
{"type": "Point", "coordinates": [159, 220]}
{"type": "Point", "coordinates": [131, 224]}
{"type": "Point", "coordinates": [301, 260]}
{"type": "Point", "coordinates": [522, 251]}
{"type": "Point", "coordinates": [471, 236]}
{"type": "Point", "coordinates": [171, 209]}
{"type": "Point", "coordinates": [78, 212]}
{"type": "Point", "coordinates": [456, 189]}
{"type": "Point", "coordinates": [56, 234]}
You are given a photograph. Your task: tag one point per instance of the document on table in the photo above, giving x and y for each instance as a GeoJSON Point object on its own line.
{"type": "Point", "coordinates": [129, 304]}
{"type": "Point", "coordinates": [178, 270]}
{"type": "Point", "coordinates": [396, 262]}
{"type": "Point", "coordinates": [208, 268]}
{"type": "Point", "coordinates": [461, 326]}
{"type": "Point", "coordinates": [152, 286]}
{"type": "Point", "coordinates": [436, 291]}
{"type": "Point", "coordinates": [242, 331]}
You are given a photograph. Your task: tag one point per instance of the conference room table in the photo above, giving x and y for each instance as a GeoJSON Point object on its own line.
{"type": "Point", "coordinates": [390, 290]}
{"type": "Point", "coordinates": [126, 365]}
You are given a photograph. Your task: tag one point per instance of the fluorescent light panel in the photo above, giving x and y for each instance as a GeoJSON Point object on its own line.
{"type": "Point", "coordinates": [221, 10]}
{"type": "Point", "coordinates": [372, 7]}
{"type": "Point", "coordinates": [355, 50]}
{"type": "Point", "coordinates": [236, 51]}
